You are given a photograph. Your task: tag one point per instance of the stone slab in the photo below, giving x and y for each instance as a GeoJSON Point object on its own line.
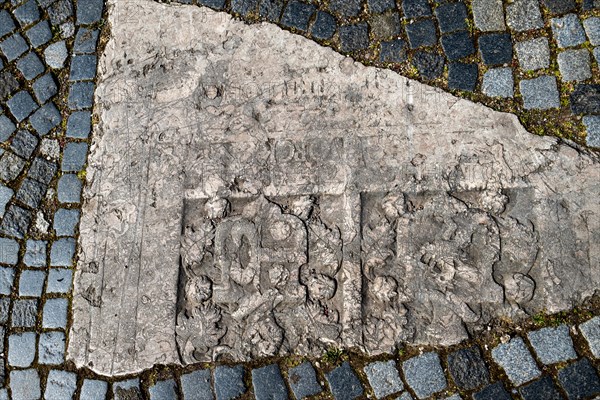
{"type": "Point", "coordinates": [278, 182]}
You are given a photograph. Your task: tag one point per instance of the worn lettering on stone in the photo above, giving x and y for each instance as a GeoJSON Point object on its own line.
{"type": "Point", "coordinates": [252, 194]}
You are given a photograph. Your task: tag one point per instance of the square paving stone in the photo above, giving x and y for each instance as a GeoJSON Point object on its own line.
{"type": "Point", "coordinates": [7, 278]}
{"type": "Point", "coordinates": [163, 390]}
{"type": "Point", "coordinates": [458, 45]}
{"type": "Point", "coordinates": [51, 349]}
{"type": "Point", "coordinates": [39, 34]}
{"type": "Point", "coordinates": [592, 127]}
{"type": "Point", "coordinates": [60, 385]}
{"type": "Point", "coordinates": [79, 124]}
{"type": "Point", "coordinates": [8, 85]}
{"type": "Point", "coordinates": [324, 26]}
{"type": "Point", "coordinates": [62, 252]}
{"type": "Point", "coordinates": [354, 37]}
{"type": "Point", "coordinates": [4, 303]}
{"type": "Point", "coordinates": [488, 15]}
{"type": "Point", "coordinates": [585, 99]}
{"type": "Point", "coordinates": [384, 378]}
{"type": "Point", "coordinates": [69, 189]}
{"type": "Point", "coordinates": [31, 283]}
{"type": "Point", "coordinates": [21, 349]}
{"type": "Point", "coordinates": [421, 33]}
{"type": "Point", "coordinates": [55, 313]}
{"type": "Point", "coordinates": [56, 54]}
{"type": "Point", "coordinates": [9, 251]}
{"type": "Point", "coordinates": [303, 381]}
{"type": "Point", "coordinates": [542, 389]}
{"type": "Point", "coordinates": [85, 41]}
{"type": "Point", "coordinates": [346, 8]}
{"type": "Point", "coordinates": [23, 143]}
{"type": "Point", "coordinates": [552, 345]}
{"type": "Point", "coordinates": [424, 374]}
{"type": "Point", "coordinates": [567, 30]}
{"type": "Point", "coordinates": [591, 5]}
{"type": "Point", "coordinates": [574, 65]}
{"type": "Point", "coordinates": [127, 390]}
{"type": "Point", "coordinates": [197, 385]}
{"type": "Point", "coordinates": [580, 380]}
{"type": "Point", "coordinates": [21, 105]}
{"type": "Point", "coordinates": [451, 17]}
{"type": "Point", "coordinates": [495, 391]}
{"type": "Point", "coordinates": [524, 15]}
{"type": "Point", "coordinates": [44, 88]}
{"type": "Point", "coordinates": [467, 368]}
{"type": "Point", "coordinates": [270, 9]}
{"type": "Point", "coordinates": [65, 221]}
{"type": "Point", "coordinates": [216, 4]}
{"type": "Point", "coordinates": [344, 383]}
{"type": "Point", "coordinates": [380, 6]}
{"type": "Point", "coordinates": [244, 7]}
{"type": "Point", "coordinates": [540, 93]}
{"type": "Point", "coordinates": [24, 313]}
{"type": "Point", "coordinates": [393, 51]}
{"type": "Point", "coordinates": [81, 95]}
{"type": "Point", "coordinates": [6, 194]}
{"type": "Point", "coordinates": [560, 6]}
{"type": "Point", "coordinates": [16, 222]}
{"type": "Point", "coordinates": [385, 26]}
{"type": "Point", "coordinates": [25, 384]}
{"type": "Point", "coordinates": [516, 360]}
{"type": "Point", "coordinates": [6, 128]}
{"type": "Point", "coordinates": [45, 119]}
{"type": "Point", "coordinates": [495, 48]}
{"type": "Point", "coordinates": [74, 156]}
{"type": "Point", "coordinates": [592, 29]}
{"type": "Point", "coordinates": [6, 23]}
{"type": "Point", "coordinates": [591, 329]}
{"type": "Point", "coordinates": [498, 82]}
{"type": "Point", "coordinates": [229, 382]}
{"type": "Point", "coordinates": [42, 170]}
{"type": "Point", "coordinates": [59, 280]}
{"type": "Point", "coordinates": [430, 65]}
{"type": "Point", "coordinates": [93, 390]}
{"type": "Point", "coordinates": [13, 46]}
{"type": "Point", "coordinates": [297, 15]}
{"type": "Point", "coordinates": [533, 54]}
{"type": "Point", "coordinates": [416, 8]}
{"type": "Point", "coordinates": [89, 11]}
{"type": "Point", "coordinates": [31, 193]}
{"type": "Point", "coordinates": [27, 13]}
{"type": "Point", "coordinates": [268, 383]}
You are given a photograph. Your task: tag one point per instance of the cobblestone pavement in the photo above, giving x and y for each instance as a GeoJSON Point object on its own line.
{"type": "Point", "coordinates": [540, 56]}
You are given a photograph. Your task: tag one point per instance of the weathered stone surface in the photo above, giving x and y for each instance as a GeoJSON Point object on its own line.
{"type": "Point", "coordinates": [306, 187]}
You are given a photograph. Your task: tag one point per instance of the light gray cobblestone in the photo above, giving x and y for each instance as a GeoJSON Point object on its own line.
{"type": "Point", "coordinates": [552, 345]}
{"type": "Point", "coordinates": [516, 360]}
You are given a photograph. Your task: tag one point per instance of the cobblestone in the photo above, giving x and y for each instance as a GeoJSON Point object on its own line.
{"type": "Point", "coordinates": [268, 383]}
{"type": "Point", "coordinates": [74, 156]}
{"type": "Point", "coordinates": [574, 65]}
{"type": "Point", "coordinates": [23, 143]}
{"type": "Point", "coordinates": [424, 374]}
{"type": "Point", "coordinates": [385, 26]}
{"type": "Point", "coordinates": [31, 283]}
{"type": "Point", "coordinates": [533, 54]}
{"type": "Point", "coordinates": [524, 15]}
{"type": "Point", "coordinates": [7, 277]}
{"type": "Point", "coordinates": [8, 85]}
{"type": "Point", "coordinates": [60, 385]}
{"type": "Point", "coordinates": [83, 67]}
{"type": "Point", "coordinates": [7, 24]}
{"type": "Point", "coordinates": [303, 381]}
{"type": "Point", "coordinates": [69, 189]}
{"type": "Point", "coordinates": [27, 13]}
{"type": "Point", "coordinates": [297, 15]}
{"type": "Point", "coordinates": [21, 349]}
{"type": "Point", "coordinates": [229, 382]}
{"type": "Point", "coordinates": [344, 383]}
{"type": "Point", "coordinates": [585, 99]}
{"type": "Point", "coordinates": [127, 390]}
{"type": "Point", "coordinates": [56, 54]}
{"type": "Point", "coordinates": [498, 82]}
{"type": "Point", "coordinates": [354, 37]}
{"type": "Point", "coordinates": [269, 9]}
{"type": "Point", "coordinates": [6, 194]}
{"type": "Point", "coordinates": [516, 360]}
{"type": "Point", "coordinates": [25, 384]}
{"type": "Point", "coordinates": [4, 304]}
{"type": "Point", "coordinates": [39, 34]}
{"type": "Point", "coordinates": [94, 390]}
{"type": "Point", "coordinates": [45, 88]}
{"type": "Point", "coordinates": [51, 349]}
{"type": "Point", "coordinates": [580, 380]}
{"type": "Point", "coordinates": [35, 253]}
{"type": "Point", "coordinates": [89, 12]}
{"type": "Point", "coordinates": [216, 4]}
{"type": "Point", "coordinates": [81, 95]}
{"type": "Point", "coordinates": [24, 313]}
{"type": "Point", "coordinates": [488, 15]}
{"type": "Point", "coordinates": [163, 390]}
{"type": "Point", "coordinates": [197, 385]}
{"type": "Point", "coordinates": [21, 105]}
{"type": "Point", "coordinates": [495, 48]}
{"type": "Point", "coordinates": [457, 45]}
{"type": "Point", "coordinates": [567, 31]}
{"type": "Point", "coordinates": [45, 119]}
{"type": "Point", "coordinates": [13, 47]}
{"type": "Point", "coordinates": [383, 378]}
{"type": "Point", "coordinates": [467, 368]}
{"type": "Point", "coordinates": [324, 26]}
{"type": "Point", "coordinates": [346, 8]}
{"type": "Point", "coordinates": [6, 128]}
{"type": "Point", "coordinates": [421, 33]}
{"type": "Point", "coordinates": [430, 65]}
{"type": "Point", "coordinates": [591, 329]}
{"type": "Point", "coordinates": [416, 8]}
{"type": "Point", "coordinates": [592, 29]}
{"type": "Point", "coordinates": [15, 222]}
{"type": "Point", "coordinates": [451, 17]}
{"type": "Point", "coordinates": [560, 6]}
{"type": "Point", "coordinates": [552, 345]}
{"type": "Point", "coordinates": [380, 6]}
{"type": "Point", "coordinates": [86, 41]}
{"type": "Point", "coordinates": [540, 93]}
{"type": "Point", "coordinates": [30, 66]}
{"type": "Point", "coordinates": [244, 7]}
{"type": "Point", "coordinates": [59, 280]}
{"type": "Point", "coordinates": [42, 170]}
{"type": "Point", "coordinates": [79, 125]}
{"type": "Point", "coordinates": [495, 391]}
{"type": "Point", "coordinates": [393, 51]}
{"type": "Point", "coordinates": [55, 313]}
{"type": "Point", "coordinates": [9, 248]}
{"type": "Point", "coordinates": [31, 193]}
{"type": "Point", "coordinates": [542, 389]}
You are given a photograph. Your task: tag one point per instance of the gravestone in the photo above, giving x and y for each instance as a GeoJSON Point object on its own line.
{"type": "Point", "coordinates": [251, 194]}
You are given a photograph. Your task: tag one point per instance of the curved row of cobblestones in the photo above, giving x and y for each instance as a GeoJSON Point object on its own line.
{"type": "Point", "coordinates": [48, 59]}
